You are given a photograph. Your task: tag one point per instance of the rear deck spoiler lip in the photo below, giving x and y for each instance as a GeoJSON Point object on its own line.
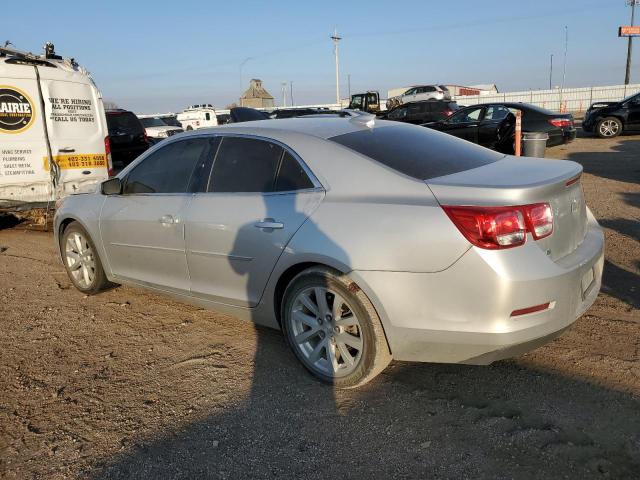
{"type": "Point", "coordinates": [489, 189]}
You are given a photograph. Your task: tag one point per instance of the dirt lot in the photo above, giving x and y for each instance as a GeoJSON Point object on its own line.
{"type": "Point", "coordinates": [128, 384]}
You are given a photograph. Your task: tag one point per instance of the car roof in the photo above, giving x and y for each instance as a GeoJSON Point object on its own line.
{"type": "Point", "coordinates": [320, 127]}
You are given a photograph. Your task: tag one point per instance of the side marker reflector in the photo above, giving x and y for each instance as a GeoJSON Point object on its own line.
{"type": "Point", "coordinates": [535, 308]}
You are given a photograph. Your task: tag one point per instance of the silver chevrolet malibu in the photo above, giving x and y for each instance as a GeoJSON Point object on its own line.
{"type": "Point", "coordinates": [363, 240]}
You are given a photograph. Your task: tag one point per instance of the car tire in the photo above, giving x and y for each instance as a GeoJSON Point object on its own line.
{"type": "Point", "coordinates": [81, 260]}
{"type": "Point", "coordinates": [189, 128]}
{"type": "Point", "coordinates": [609, 127]}
{"type": "Point", "coordinates": [343, 343]}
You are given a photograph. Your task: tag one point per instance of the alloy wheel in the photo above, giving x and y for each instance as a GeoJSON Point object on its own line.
{"type": "Point", "coordinates": [326, 331]}
{"type": "Point", "coordinates": [80, 260]}
{"type": "Point", "coordinates": [609, 128]}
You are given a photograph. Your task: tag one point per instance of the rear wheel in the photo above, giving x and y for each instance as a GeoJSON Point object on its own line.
{"type": "Point", "coordinates": [81, 261]}
{"type": "Point", "coordinates": [609, 127]}
{"type": "Point", "coordinates": [333, 328]}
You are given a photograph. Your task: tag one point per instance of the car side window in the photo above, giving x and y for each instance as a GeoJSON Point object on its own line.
{"type": "Point", "coordinates": [429, 89]}
{"type": "Point", "coordinates": [291, 175]}
{"type": "Point", "coordinates": [245, 165]}
{"type": "Point", "coordinates": [465, 116]}
{"type": "Point", "coordinates": [398, 113]}
{"type": "Point", "coordinates": [496, 112]}
{"type": "Point", "coordinates": [411, 91]}
{"type": "Point", "coordinates": [414, 109]}
{"type": "Point", "coordinates": [169, 169]}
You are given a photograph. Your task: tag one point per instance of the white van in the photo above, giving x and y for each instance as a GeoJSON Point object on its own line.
{"type": "Point", "coordinates": [198, 116]}
{"type": "Point", "coordinates": [53, 131]}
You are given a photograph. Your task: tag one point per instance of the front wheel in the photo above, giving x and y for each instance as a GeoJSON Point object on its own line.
{"type": "Point", "coordinates": [81, 260]}
{"type": "Point", "coordinates": [609, 127]}
{"type": "Point", "coordinates": [333, 328]}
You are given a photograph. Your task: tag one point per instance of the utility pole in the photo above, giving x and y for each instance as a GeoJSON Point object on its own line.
{"type": "Point", "coordinates": [337, 39]}
{"type": "Point", "coordinates": [349, 86]}
{"type": "Point", "coordinates": [284, 94]}
{"type": "Point", "coordinates": [551, 72]}
{"type": "Point", "coordinates": [564, 66]}
{"type": "Point", "coordinates": [291, 91]}
{"type": "Point", "coordinates": [627, 76]}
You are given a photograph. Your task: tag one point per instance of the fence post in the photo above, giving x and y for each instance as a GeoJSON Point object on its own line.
{"type": "Point", "coordinates": [518, 132]}
{"type": "Point", "coordinates": [591, 96]}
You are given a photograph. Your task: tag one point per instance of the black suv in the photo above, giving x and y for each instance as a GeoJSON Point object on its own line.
{"type": "Point", "coordinates": [421, 112]}
{"type": "Point", "coordinates": [127, 136]}
{"type": "Point", "coordinates": [610, 119]}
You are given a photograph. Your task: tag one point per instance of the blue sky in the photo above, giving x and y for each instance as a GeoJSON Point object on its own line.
{"type": "Point", "coordinates": [161, 56]}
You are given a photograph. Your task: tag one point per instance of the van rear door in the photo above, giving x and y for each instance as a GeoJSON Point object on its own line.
{"type": "Point", "coordinates": [77, 129]}
{"type": "Point", "coordinates": [24, 178]}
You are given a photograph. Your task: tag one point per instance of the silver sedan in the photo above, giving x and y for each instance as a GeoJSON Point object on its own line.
{"type": "Point", "coordinates": [363, 240]}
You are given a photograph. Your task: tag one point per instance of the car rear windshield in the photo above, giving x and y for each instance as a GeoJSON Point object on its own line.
{"type": "Point", "coordinates": [125, 122]}
{"type": "Point", "coordinates": [417, 151]}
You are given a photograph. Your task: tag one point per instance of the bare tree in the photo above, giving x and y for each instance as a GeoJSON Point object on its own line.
{"type": "Point", "coordinates": [108, 104]}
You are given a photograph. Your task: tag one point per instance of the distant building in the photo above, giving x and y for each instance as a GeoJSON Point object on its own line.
{"type": "Point", "coordinates": [256, 96]}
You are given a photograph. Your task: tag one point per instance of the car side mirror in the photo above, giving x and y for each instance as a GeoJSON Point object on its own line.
{"type": "Point", "coordinates": [113, 186]}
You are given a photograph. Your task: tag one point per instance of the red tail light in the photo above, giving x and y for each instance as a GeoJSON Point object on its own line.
{"type": "Point", "coordinates": [107, 151]}
{"type": "Point", "coordinates": [561, 122]}
{"type": "Point", "coordinates": [540, 220]}
{"type": "Point", "coordinates": [495, 228]}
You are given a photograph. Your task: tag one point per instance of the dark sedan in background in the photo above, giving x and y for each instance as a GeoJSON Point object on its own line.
{"type": "Point", "coordinates": [492, 125]}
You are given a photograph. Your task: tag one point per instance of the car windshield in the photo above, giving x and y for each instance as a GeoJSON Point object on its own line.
{"type": "Point", "coordinates": [418, 152]}
{"type": "Point", "coordinates": [635, 96]}
{"type": "Point", "coordinates": [152, 122]}
{"type": "Point", "coordinates": [172, 121]}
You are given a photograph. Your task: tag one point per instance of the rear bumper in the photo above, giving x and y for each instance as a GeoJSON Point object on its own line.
{"type": "Point", "coordinates": [463, 314]}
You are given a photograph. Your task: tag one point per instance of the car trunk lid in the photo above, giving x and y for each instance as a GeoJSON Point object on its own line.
{"type": "Point", "coordinates": [523, 181]}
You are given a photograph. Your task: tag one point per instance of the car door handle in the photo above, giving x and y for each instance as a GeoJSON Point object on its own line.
{"type": "Point", "coordinates": [169, 220]}
{"type": "Point", "coordinates": [269, 223]}
{"type": "Point", "coordinates": [67, 150]}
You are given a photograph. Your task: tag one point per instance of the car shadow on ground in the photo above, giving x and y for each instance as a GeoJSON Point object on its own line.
{"type": "Point", "coordinates": [414, 421]}
{"type": "Point", "coordinates": [621, 284]}
{"type": "Point", "coordinates": [622, 165]}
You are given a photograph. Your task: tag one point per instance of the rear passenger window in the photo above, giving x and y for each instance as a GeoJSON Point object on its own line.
{"type": "Point", "coordinates": [169, 169]}
{"type": "Point", "coordinates": [245, 165]}
{"type": "Point", "coordinates": [291, 175]}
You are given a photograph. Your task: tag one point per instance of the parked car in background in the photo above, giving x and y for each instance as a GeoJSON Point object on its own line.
{"type": "Point", "coordinates": [127, 136]}
{"type": "Point", "coordinates": [366, 102]}
{"type": "Point", "coordinates": [198, 116]}
{"type": "Point", "coordinates": [362, 239]}
{"type": "Point", "coordinates": [157, 129]}
{"type": "Point", "coordinates": [610, 119]}
{"type": "Point", "coordinates": [421, 112]}
{"type": "Point", "coordinates": [492, 125]}
{"type": "Point", "coordinates": [420, 92]}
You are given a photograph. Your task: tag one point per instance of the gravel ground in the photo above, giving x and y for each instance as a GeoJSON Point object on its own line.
{"type": "Point", "coordinates": [128, 384]}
